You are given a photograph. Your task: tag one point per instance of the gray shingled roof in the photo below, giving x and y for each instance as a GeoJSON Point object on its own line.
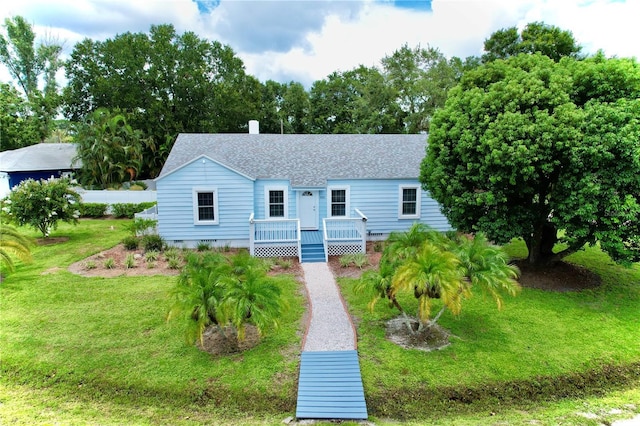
{"type": "Point", "coordinates": [307, 160]}
{"type": "Point", "coordinates": [42, 156]}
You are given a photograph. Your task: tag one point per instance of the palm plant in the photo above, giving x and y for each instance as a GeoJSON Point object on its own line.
{"type": "Point", "coordinates": [12, 243]}
{"type": "Point", "coordinates": [486, 266]}
{"type": "Point", "coordinates": [198, 294]}
{"type": "Point", "coordinates": [221, 291]}
{"type": "Point", "coordinates": [433, 273]}
{"type": "Point", "coordinates": [251, 298]}
{"type": "Point", "coordinates": [439, 266]}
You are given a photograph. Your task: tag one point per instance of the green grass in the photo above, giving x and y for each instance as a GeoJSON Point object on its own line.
{"type": "Point", "coordinates": [105, 342]}
{"type": "Point", "coordinates": [77, 350]}
{"type": "Point", "coordinates": [542, 346]}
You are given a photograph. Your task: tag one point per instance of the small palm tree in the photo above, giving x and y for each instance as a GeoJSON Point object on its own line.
{"type": "Point", "coordinates": [12, 243]}
{"type": "Point", "coordinates": [432, 273]}
{"type": "Point", "coordinates": [252, 298]}
{"type": "Point", "coordinates": [487, 266]}
{"type": "Point", "coordinates": [221, 291]}
{"type": "Point", "coordinates": [198, 294]}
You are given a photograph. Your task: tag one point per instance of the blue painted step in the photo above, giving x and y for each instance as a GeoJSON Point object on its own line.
{"type": "Point", "coordinates": [330, 386]}
{"type": "Point", "coordinates": [313, 253]}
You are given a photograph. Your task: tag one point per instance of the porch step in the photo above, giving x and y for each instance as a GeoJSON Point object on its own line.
{"type": "Point", "coordinates": [312, 253]}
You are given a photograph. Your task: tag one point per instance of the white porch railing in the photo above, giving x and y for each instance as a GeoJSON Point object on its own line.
{"type": "Point", "coordinates": [274, 237]}
{"type": "Point", "coordinates": [345, 235]}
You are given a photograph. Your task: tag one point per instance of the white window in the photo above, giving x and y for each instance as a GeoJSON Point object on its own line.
{"type": "Point", "coordinates": [276, 202]}
{"type": "Point", "coordinates": [338, 201]}
{"type": "Point", "coordinates": [205, 206]}
{"type": "Point", "coordinates": [409, 202]}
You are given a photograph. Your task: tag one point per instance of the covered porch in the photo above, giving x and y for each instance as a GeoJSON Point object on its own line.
{"type": "Point", "coordinates": [285, 238]}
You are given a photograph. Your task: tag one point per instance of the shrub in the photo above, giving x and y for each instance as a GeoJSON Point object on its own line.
{"type": "Point", "coordinates": [124, 210]}
{"type": "Point", "coordinates": [152, 242]}
{"type": "Point", "coordinates": [130, 242]}
{"type": "Point", "coordinates": [141, 226]}
{"type": "Point", "coordinates": [151, 256]}
{"type": "Point", "coordinates": [90, 264]}
{"type": "Point", "coordinates": [171, 253]}
{"type": "Point", "coordinates": [360, 260]}
{"type": "Point", "coordinates": [285, 263]}
{"type": "Point", "coordinates": [130, 261]}
{"type": "Point", "coordinates": [345, 260]}
{"type": "Point", "coordinates": [110, 263]}
{"type": "Point", "coordinates": [203, 246]}
{"type": "Point", "coordinates": [174, 263]}
{"type": "Point", "coordinates": [43, 203]}
{"type": "Point", "coordinates": [93, 210]}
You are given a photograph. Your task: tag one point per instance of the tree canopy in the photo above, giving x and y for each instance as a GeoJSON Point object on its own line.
{"type": "Point", "coordinates": [527, 146]}
{"type": "Point", "coordinates": [168, 82]}
{"type": "Point", "coordinates": [28, 62]}
{"type": "Point", "coordinates": [536, 37]}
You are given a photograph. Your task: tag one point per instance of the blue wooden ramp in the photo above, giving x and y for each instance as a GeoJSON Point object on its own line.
{"type": "Point", "coordinates": [330, 386]}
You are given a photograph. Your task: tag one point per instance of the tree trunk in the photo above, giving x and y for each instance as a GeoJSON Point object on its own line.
{"type": "Point", "coordinates": [540, 245]}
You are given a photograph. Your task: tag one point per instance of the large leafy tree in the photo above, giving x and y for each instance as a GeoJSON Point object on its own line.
{"type": "Point", "coordinates": [356, 101]}
{"type": "Point", "coordinates": [528, 146]}
{"type": "Point", "coordinates": [109, 149]}
{"type": "Point", "coordinates": [168, 82]}
{"type": "Point", "coordinates": [28, 63]}
{"type": "Point", "coordinates": [536, 37]}
{"type": "Point", "coordinates": [284, 108]}
{"type": "Point", "coordinates": [421, 78]}
{"type": "Point", "coordinates": [18, 126]}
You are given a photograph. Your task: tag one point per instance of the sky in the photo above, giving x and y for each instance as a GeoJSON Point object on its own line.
{"type": "Point", "coordinates": [306, 40]}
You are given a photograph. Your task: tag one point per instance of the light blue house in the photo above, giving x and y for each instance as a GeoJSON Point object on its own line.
{"type": "Point", "coordinates": [309, 196]}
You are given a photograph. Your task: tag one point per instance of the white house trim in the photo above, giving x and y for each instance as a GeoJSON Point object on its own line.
{"type": "Point", "coordinates": [216, 214]}
{"type": "Point", "coordinates": [347, 202]}
{"type": "Point", "coordinates": [204, 158]}
{"type": "Point", "coordinates": [402, 201]}
{"type": "Point", "coordinates": [267, 205]}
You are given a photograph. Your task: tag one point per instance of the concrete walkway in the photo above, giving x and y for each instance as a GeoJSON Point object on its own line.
{"type": "Point", "coordinates": [330, 384]}
{"type": "Point", "coordinates": [330, 328]}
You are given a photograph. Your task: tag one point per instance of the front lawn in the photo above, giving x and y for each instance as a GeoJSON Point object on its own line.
{"type": "Point", "coordinates": [542, 346]}
{"type": "Point", "coordinates": [78, 350]}
{"type": "Point", "coordinates": [104, 342]}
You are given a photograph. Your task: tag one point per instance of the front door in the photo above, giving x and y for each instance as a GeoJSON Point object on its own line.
{"type": "Point", "coordinates": [308, 209]}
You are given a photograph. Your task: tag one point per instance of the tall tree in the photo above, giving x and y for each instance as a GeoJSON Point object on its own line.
{"type": "Point", "coordinates": [356, 101]}
{"type": "Point", "coordinates": [27, 63]}
{"type": "Point", "coordinates": [18, 126]}
{"type": "Point", "coordinates": [110, 150]}
{"type": "Point", "coordinates": [536, 37]}
{"type": "Point", "coordinates": [168, 82]}
{"type": "Point", "coordinates": [525, 147]}
{"type": "Point", "coordinates": [421, 78]}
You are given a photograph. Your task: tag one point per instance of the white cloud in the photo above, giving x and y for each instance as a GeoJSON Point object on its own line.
{"type": "Point", "coordinates": [307, 40]}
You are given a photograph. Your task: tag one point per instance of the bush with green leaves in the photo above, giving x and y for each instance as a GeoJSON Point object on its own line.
{"type": "Point", "coordinates": [140, 226]}
{"type": "Point", "coordinates": [152, 242]}
{"type": "Point", "coordinates": [130, 242]}
{"type": "Point", "coordinates": [130, 261]}
{"type": "Point", "coordinates": [218, 290]}
{"type": "Point", "coordinates": [435, 266]}
{"type": "Point", "coordinates": [93, 210]}
{"type": "Point", "coordinates": [43, 203]}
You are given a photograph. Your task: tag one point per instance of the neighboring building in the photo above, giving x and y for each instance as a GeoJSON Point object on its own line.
{"type": "Point", "coordinates": [279, 194]}
{"type": "Point", "coordinates": [40, 161]}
